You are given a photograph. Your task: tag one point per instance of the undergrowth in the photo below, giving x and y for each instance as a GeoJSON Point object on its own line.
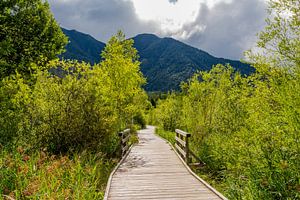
{"type": "Point", "coordinates": [37, 175]}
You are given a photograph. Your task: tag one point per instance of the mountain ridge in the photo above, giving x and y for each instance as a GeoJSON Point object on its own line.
{"type": "Point", "coordinates": [165, 62]}
{"type": "Point", "coordinates": [82, 47]}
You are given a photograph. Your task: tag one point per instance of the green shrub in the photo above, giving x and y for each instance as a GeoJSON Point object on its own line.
{"type": "Point", "coordinates": [13, 101]}
{"type": "Point", "coordinates": [83, 110]}
{"type": "Point", "coordinates": [246, 130]}
{"type": "Point", "coordinates": [140, 120]}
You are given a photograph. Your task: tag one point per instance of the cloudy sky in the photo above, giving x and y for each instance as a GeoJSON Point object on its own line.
{"type": "Point", "coordinates": [224, 28]}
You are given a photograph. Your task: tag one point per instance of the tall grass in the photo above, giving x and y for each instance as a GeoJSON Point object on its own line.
{"type": "Point", "coordinates": [168, 135]}
{"type": "Point", "coordinates": [37, 175]}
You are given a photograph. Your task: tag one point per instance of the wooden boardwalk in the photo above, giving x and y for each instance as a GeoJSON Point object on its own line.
{"type": "Point", "coordinates": [152, 170]}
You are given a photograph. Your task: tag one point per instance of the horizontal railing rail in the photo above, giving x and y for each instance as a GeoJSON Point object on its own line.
{"type": "Point", "coordinates": [182, 147]}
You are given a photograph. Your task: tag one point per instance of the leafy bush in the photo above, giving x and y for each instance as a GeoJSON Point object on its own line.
{"type": "Point", "coordinates": [140, 120]}
{"type": "Point", "coordinates": [30, 37]}
{"type": "Point", "coordinates": [84, 109]}
{"type": "Point", "coordinates": [246, 129]}
{"type": "Point", "coordinates": [166, 113]}
{"type": "Point", "coordinates": [68, 125]}
{"type": "Point", "coordinates": [71, 113]}
{"type": "Point", "coordinates": [13, 100]}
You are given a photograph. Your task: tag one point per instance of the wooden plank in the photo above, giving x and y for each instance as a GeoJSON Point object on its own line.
{"type": "Point", "coordinates": [152, 170]}
{"type": "Point", "coordinates": [124, 140]}
{"type": "Point", "coordinates": [124, 137]}
{"type": "Point", "coordinates": [107, 189]}
{"type": "Point", "coordinates": [123, 133]}
{"type": "Point", "coordinates": [183, 133]}
{"type": "Point", "coordinates": [125, 148]}
{"type": "Point", "coordinates": [180, 141]}
{"type": "Point", "coordinates": [126, 131]}
{"type": "Point", "coordinates": [197, 158]}
{"type": "Point", "coordinates": [182, 152]}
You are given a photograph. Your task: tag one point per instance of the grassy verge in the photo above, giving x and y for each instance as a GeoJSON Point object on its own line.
{"type": "Point", "coordinates": [170, 136]}
{"type": "Point", "coordinates": [40, 176]}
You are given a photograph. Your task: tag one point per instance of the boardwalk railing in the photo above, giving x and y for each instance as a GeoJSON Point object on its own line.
{"type": "Point", "coordinates": [153, 171]}
{"type": "Point", "coordinates": [182, 147]}
{"type": "Point", "coordinates": [124, 137]}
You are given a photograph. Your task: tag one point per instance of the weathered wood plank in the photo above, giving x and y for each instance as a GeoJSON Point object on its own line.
{"type": "Point", "coordinates": [124, 137]}
{"type": "Point", "coordinates": [152, 170]}
{"type": "Point", "coordinates": [182, 152]}
{"type": "Point", "coordinates": [185, 134]}
{"type": "Point", "coordinates": [180, 141]}
{"type": "Point", "coordinates": [125, 148]}
{"type": "Point", "coordinates": [124, 140]}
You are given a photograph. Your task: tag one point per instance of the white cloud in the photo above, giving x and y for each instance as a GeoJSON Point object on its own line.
{"type": "Point", "coordinates": [170, 16]}
{"type": "Point", "coordinates": [224, 28]}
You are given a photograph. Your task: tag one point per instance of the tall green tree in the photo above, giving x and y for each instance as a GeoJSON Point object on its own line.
{"type": "Point", "coordinates": [279, 42]}
{"type": "Point", "coordinates": [120, 63]}
{"type": "Point", "coordinates": [29, 36]}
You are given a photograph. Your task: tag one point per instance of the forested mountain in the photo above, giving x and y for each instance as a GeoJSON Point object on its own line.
{"type": "Point", "coordinates": [82, 47]}
{"type": "Point", "coordinates": [166, 62]}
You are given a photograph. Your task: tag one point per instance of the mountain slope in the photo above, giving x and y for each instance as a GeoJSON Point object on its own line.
{"type": "Point", "coordinates": [82, 47]}
{"type": "Point", "coordinates": [165, 62]}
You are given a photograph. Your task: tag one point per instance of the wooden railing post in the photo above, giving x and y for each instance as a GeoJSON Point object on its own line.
{"type": "Point", "coordinates": [121, 143]}
{"type": "Point", "coordinates": [182, 144]}
{"type": "Point", "coordinates": [182, 147]}
{"type": "Point", "coordinates": [187, 151]}
{"type": "Point", "coordinates": [124, 137]}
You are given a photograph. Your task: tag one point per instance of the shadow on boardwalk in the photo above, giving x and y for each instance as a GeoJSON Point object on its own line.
{"type": "Point", "coordinates": [152, 170]}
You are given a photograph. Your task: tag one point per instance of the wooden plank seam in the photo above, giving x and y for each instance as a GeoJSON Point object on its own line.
{"type": "Point", "coordinates": [193, 173]}
{"type": "Point", "coordinates": [113, 172]}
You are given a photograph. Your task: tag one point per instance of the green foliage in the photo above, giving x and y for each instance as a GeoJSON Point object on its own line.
{"type": "Point", "coordinates": [246, 130]}
{"type": "Point", "coordinates": [121, 66]}
{"type": "Point", "coordinates": [85, 109]}
{"type": "Point", "coordinates": [155, 96]}
{"type": "Point", "coordinates": [29, 36]}
{"type": "Point", "coordinates": [72, 116]}
{"type": "Point", "coordinates": [280, 41]}
{"type": "Point", "coordinates": [72, 113]}
{"type": "Point", "coordinates": [13, 100]}
{"type": "Point", "coordinates": [77, 115]}
{"type": "Point", "coordinates": [140, 120]}
{"type": "Point", "coordinates": [168, 135]}
{"type": "Point", "coordinates": [166, 114]}
{"type": "Point", "coordinates": [38, 175]}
